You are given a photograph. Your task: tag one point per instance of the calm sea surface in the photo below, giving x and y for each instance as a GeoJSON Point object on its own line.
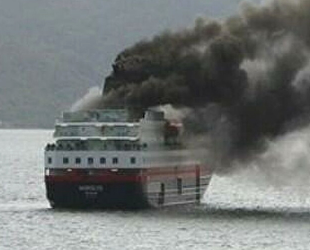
{"type": "Point", "coordinates": [239, 213]}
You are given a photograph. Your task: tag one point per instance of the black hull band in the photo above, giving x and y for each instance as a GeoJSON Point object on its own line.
{"type": "Point", "coordinates": [96, 195]}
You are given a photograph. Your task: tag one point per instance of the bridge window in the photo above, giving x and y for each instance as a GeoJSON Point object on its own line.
{"type": "Point", "coordinates": [179, 185]}
{"type": "Point", "coordinates": [133, 160]}
{"type": "Point", "coordinates": [49, 160]}
{"type": "Point", "coordinates": [78, 160]}
{"type": "Point", "coordinates": [90, 160]}
{"type": "Point", "coordinates": [65, 160]}
{"type": "Point", "coordinates": [114, 160]}
{"type": "Point", "coordinates": [102, 160]}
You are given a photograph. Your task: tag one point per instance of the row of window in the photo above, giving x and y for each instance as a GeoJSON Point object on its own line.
{"type": "Point", "coordinates": [90, 160]}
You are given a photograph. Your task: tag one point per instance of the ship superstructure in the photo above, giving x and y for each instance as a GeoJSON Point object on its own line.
{"type": "Point", "coordinates": [104, 158]}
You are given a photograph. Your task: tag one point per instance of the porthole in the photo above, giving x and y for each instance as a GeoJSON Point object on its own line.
{"type": "Point", "coordinates": [115, 160]}
{"type": "Point", "coordinates": [78, 160]}
{"type": "Point", "coordinates": [90, 160]}
{"type": "Point", "coordinates": [133, 160]}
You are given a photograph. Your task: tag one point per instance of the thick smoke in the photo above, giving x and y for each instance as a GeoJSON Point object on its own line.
{"type": "Point", "coordinates": [243, 81]}
{"type": "Point", "coordinates": [285, 162]}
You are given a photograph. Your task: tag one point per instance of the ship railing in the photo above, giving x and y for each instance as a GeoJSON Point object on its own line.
{"type": "Point", "coordinates": [54, 147]}
{"type": "Point", "coordinates": [185, 191]}
{"type": "Point", "coordinates": [188, 197]}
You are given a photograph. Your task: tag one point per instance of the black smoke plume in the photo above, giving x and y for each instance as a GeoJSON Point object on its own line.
{"type": "Point", "coordinates": [250, 72]}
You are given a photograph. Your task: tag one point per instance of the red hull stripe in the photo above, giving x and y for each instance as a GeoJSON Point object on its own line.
{"type": "Point", "coordinates": [176, 171]}
{"type": "Point", "coordinates": [93, 179]}
{"type": "Point", "coordinates": [171, 173]}
{"type": "Point", "coordinates": [106, 176]}
{"type": "Point", "coordinates": [113, 178]}
{"type": "Point", "coordinates": [109, 179]}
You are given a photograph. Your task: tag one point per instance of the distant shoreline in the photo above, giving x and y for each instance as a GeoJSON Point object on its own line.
{"type": "Point", "coordinates": [24, 128]}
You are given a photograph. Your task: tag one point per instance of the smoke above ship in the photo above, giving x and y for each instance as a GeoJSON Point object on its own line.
{"type": "Point", "coordinates": [240, 81]}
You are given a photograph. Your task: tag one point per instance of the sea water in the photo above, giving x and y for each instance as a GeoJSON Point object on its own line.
{"type": "Point", "coordinates": [238, 212]}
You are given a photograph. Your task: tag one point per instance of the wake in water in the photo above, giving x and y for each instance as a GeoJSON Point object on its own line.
{"type": "Point", "coordinates": [271, 213]}
{"type": "Point", "coordinates": [23, 206]}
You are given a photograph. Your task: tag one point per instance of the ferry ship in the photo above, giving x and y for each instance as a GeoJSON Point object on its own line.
{"type": "Point", "coordinates": [106, 159]}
